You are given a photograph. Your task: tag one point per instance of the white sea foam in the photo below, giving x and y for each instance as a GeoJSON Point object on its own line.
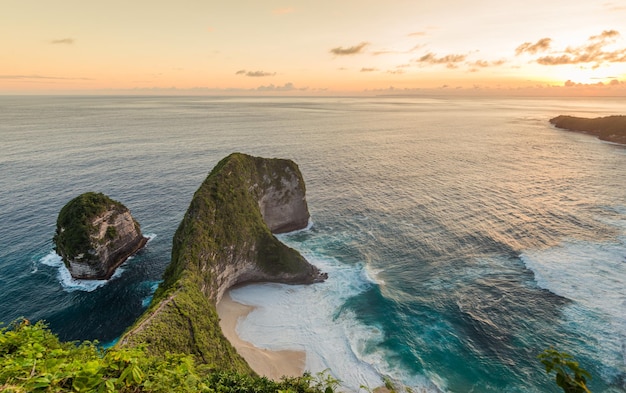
{"type": "Point", "coordinates": [313, 319]}
{"type": "Point", "coordinates": [71, 284]}
{"type": "Point", "coordinates": [145, 302]}
{"type": "Point", "coordinates": [593, 276]}
{"type": "Point", "coordinates": [287, 234]}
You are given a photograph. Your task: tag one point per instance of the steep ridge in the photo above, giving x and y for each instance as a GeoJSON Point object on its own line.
{"type": "Point", "coordinates": [226, 239]}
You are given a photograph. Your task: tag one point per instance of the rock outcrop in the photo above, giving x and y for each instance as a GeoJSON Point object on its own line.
{"type": "Point", "coordinates": [95, 234]}
{"type": "Point", "coordinates": [225, 239]}
{"type": "Point", "coordinates": [609, 128]}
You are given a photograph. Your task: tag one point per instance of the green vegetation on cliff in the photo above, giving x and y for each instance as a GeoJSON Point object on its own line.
{"type": "Point", "coordinates": [222, 241]}
{"type": "Point", "coordinates": [72, 236]}
{"type": "Point", "coordinates": [32, 359]}
{"type": "Point", "coordinates": [609, 128]}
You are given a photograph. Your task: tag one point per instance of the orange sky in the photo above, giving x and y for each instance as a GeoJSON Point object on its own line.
{"type": "Point", "coordinates": [319, 47]}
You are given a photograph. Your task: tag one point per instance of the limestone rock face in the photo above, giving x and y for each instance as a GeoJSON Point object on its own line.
{"type": "Point", "coordinates": [282, 201]}
{"type": "Point", "coordinates": [95, 235]}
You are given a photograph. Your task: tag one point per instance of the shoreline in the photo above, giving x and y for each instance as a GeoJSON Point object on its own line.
{"type": "Point", "coordinates": [271, 364]}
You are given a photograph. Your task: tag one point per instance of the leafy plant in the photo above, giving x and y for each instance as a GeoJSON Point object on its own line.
{"type": "Point", "coordinates": [32, 359]}
{"type": "Point", "coordinates": [569, 375]}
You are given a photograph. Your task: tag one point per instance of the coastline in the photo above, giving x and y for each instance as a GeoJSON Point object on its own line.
{"type": "Point", "coordinates": [272, 364]}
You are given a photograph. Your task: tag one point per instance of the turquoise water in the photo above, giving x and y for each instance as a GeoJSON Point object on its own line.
{"type": "Point", "coordinates": [462, 236]}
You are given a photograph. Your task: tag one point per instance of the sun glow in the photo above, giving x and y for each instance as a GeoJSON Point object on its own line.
{"type": "Point", "coordinates": [589, 75]}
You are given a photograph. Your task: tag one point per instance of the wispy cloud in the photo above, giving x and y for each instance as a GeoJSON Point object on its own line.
{"type": "Point", "coordinates": [476, 65]}
{"type": "Point", "coordinates": [614, 7]}
{"type": "Point", "coordinates": [34, 76]}
{"type": "Point", "coordinates": [528, 47]}
{"type": "Point", "coordinates": [286, 87]}
{"type": "Point", "coordinates": [613, 82]}
{"type": "Point", "coordinates": [366, 69]}
{"type": "Point", "coordinates": [417, 34]}
{"type": "Point", "coordinates": [283, 11]}
{"type": "Point", "coordinates": [255, 74]}
{"type": "Point", "coordinates": [451, 61]}
{"type": "Point", "coordinates": [352, 50]}
{"type": "Point", "coordinates": [65, 41]}
{"type": "Point", "coordinates": [394, 52]}
{"type": "Point", "coordinates": [593, 52]}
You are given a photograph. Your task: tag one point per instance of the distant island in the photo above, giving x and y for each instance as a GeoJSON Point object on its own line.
{"type": "Point", "coordinates": [609, 128]}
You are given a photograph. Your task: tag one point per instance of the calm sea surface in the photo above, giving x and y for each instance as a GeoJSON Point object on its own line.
{"type": "Point", "coordinates": [462, 236]}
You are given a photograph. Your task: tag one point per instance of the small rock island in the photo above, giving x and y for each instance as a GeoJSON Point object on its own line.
{"type": "Point", "coordinates": [226, 238]}
{"type": "Point", "coordinates": [609, 128]}
{"type": "Point", "coordinates": [94, 235]}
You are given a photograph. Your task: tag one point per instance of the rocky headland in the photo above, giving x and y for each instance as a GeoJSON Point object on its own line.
{"type": "Point", "coordinates": [609, 128]}
{"type": "Point", "coordinates": [225, 239]}
{"type": "Point", "coordinates": [95, 234]}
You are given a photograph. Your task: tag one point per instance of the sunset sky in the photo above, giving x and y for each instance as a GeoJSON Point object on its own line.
{"type": "Point", "coordinates": [321, 47]}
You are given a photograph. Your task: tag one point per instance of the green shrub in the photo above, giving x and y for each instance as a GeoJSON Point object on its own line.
{"type": "Point", "coordinates": [32, 359]}
{"type": "Point", "coordinates": [569, 375]}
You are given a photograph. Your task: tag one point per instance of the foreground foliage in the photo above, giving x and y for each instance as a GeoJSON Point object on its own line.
{"type": "Point", "coordinates": [32, 359]}
{"type": "Point", "coordinates": [569, 375]}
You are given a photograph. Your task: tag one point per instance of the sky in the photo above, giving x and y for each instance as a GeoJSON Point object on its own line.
{"type": "Point", "coordinates": [322, 47]}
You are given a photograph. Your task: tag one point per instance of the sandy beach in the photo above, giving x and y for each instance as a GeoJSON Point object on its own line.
{"type": "Point", "coordinates": [272, 364]}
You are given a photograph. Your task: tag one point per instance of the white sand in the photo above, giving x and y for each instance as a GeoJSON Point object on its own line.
{"type": "Point", "coordinates": [272, 364]}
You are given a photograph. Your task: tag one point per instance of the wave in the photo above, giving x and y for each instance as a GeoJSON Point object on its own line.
{"type": "Point", "coordinates": [71, 284]}
{"type": "Point", "coordinates": [297, 231]}
{"type": "Point", "coordinates": [593, 276]}
{"type": "Point", "coordinates": [314, 319]}
{"type": "Point", "coordinates": [153, 285]}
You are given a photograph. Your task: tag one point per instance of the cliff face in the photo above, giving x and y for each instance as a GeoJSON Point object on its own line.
{"type": "Point", "coordinates": [609, 128]}
{"type": "Point", "coordinates": [226, 239]}
{"type": "Point", "coordinates": [95, 235]}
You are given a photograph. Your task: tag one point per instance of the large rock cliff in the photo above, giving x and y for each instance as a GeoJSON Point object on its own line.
{"type": "Point", "coordinates": [95, 234]}
{"type": "Point", "coordinates": [226, 239]}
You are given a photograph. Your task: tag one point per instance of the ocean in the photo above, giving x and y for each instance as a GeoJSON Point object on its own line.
{"type": "Point", "coordinates": [462, 236]}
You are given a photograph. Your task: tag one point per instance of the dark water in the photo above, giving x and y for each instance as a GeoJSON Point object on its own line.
{"type": "Point", "coordinates": [462, 237]}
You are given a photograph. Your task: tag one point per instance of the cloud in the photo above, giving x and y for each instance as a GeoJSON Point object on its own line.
{"type": "Point", "coordinates": [612, 83]}
{"type": "Point", "coordinates": [540, 46]}
{"type": "Point", "coordinates": [26, 77]}
{"type": "Point", "coordinates": [286, 87]}
{"type": "Point", "coordinates": [593, 52]}
{"type": "Point", "coordinates": [353, 50]}
{"type": "Point", "coordinates": [417, 34]}
{"type": "Point", "coordinates": [66, 41]}
{"type": "Point", "coordinates": [255, 74]}
{"type": "Point", "coordinates": [451, 61]}
{"type": "Point", "coordinates": [283, 11]}
{"type": "Point", "coordinates": [386, 52]}
{"type": "Point", "coordinates": [613, 7]}
{"type": "Point", "coordinates": [364, 69]}
{"type": "Point", "coordinates": [476, 65]}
